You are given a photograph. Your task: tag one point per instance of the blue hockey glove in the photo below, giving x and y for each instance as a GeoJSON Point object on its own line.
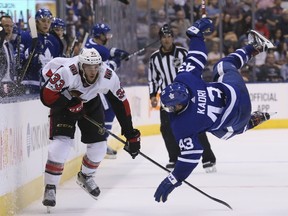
{"type": "Point", "coordinates": [133, 143]}
{"type": "Point", "coordinates": [122, 54]}
{"type": "Point", "coordinates": [114, 63]}
{"type": "Point", "coordinates": [201, 27]}
{"type": "Point", "coordinates": [165, 188]}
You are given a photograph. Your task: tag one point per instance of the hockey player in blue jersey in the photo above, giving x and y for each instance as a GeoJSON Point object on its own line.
{"type": "Point", "coordinates": [101, 34]}
{"type": "Point", "coordinates": [222, 107]}
{"type": "Point", "coordinates": [47, 48]}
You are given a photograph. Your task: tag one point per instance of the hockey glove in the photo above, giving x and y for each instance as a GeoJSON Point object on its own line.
{"type": "Point", "coordinates": [122, 54]}
{"type": "Point", "coordinates": [114, 63]}
{"type": "Point", "coordinates": [201, 27]}
{"type": "Point", "coordinates": [75, 107]}
{"type": "Point", "coordinates": [165, 188]}
{"type": "Point", "coordinates": [133, 143]}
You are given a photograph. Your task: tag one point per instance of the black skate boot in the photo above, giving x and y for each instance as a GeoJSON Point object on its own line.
{"type": "Point", "coordinates": [88, 184]}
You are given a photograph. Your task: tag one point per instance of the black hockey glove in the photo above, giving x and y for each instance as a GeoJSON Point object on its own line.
{"type": "Point", "coordinates": [75, 108]}
{"type": "Point", "coordinates": [133, 143]}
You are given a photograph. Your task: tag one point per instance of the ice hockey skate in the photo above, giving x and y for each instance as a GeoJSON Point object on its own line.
{"type": "Point", "coordinates": [88, 184]}
{"type": "Point", "coordinates": [259, 42]}
{"type": "Point", "coordinates": [49, 199]}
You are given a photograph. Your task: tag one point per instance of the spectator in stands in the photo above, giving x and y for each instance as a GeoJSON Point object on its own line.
{"type": "Point", "coordinates": [142, 29]}
{"type": "Point", "coordinates": [7, 61]}
{"type": "Point", "coordinates": [246, 7]}
{"type": "Point", "coordinates": [280, 47]}
{"type": "Point", "coordinates": [178, 39]}
{"type": "Point", "coordinates": [261, 27]}
{"type": "Point", "coordinates": [86, 16]}
{"type": "Point", "coordinates": [153, 36]}
{"type": "Point", "coordinates": [273, 16]}
{"type": "Point", "coordinates": [264, 4]}
{"type": "Point", "coordinates": [161, 17]}
{"type": "Point", "coordinates": [244, 25]}
{"type": "Point", "coordinates": [269, 72]}
{"type": "Point", "coordinates": [182, 23]}
{"type": "Point", "coordinates": [283, 23]}
{"type": "Point", "coordinates": [214, 55]}
{"type": "Point", "coordinates": [183, 5]}
{"type": "Point", "coordinates": [46, 48]}
{"type": "Point", "coordinates": [72, 24]}
{"type": "Point", "coordinates": [213, 11]}
{"type": "Point", "coordinates": [284, 70]}
{"type": "Point", "coordinates": [170, 10]}
{"type": "Point", "coordinates": [234, 10]}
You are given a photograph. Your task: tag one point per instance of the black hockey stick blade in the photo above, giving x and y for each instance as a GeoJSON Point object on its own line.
{"type": "Point", "coordinates": [153, 161]}
{"type": "Point", "coordinates": [125, 2]}
{"type": "Point", "coordinates": [2, 35]}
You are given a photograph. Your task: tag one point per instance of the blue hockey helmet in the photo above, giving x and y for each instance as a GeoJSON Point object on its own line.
{"type": "Point", "coordinates": [101, 28]}
{"type": "Point", "coordinates": [58, 23]}
{"type": "Point", "coordinates": [42, 13]}
{"type": "Point", "coordinates": [174, 94]}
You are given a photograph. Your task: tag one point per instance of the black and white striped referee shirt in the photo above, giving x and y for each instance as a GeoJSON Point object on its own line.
{"type": "Point", "coordinates": [163, 68]}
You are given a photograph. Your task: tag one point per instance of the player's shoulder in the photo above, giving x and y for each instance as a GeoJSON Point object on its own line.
{"type": "Point", "coordinates": [107, 73]}
{"type": "Point", "coordinates": [154, 54]}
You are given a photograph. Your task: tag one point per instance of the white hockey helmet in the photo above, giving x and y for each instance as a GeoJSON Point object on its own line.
{"type": "Point", "coordinates": [89, 56]}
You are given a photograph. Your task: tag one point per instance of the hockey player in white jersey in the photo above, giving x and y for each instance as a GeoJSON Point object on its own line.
{"type": "Point", "coordinates": [72, 91]}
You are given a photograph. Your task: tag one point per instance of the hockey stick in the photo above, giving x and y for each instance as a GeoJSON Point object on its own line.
{"type": "Point", "coordinates": [34, 35]}
{"type": "Point", "coordinates": [73, 45]}
{"type": "Point", "coordinates": [140, 51]}
{"type": "Point", "coordinates": [84, 40]}
{"type": "Point", "coordinates": [151, 160]}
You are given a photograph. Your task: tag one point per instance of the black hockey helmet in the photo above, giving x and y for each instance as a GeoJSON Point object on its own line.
{"type": "Point", "coordinates": [165, 30]}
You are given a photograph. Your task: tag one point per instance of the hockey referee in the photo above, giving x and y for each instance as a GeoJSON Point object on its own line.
{"type": "Point", "coordinates": [163, 67]}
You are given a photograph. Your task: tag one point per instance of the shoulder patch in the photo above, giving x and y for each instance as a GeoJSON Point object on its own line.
{"type": "Point", "coordinates": [108, 74]}
{"type": "Point", "coordinates": [73, 69]}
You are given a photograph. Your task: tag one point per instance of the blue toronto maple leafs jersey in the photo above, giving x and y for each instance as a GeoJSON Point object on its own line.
{"type": "Point", "coordinates": [47, 48]}
{"type": "Point", "coordinates": [222, 108]}
{"type": "Point", "coordinates": [103, 51]}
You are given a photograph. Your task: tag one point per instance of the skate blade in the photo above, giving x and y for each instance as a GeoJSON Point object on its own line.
{"type": "Point", "coordinates": [48, 209]}
{"type": "Point", "coordinates": [83, 187]}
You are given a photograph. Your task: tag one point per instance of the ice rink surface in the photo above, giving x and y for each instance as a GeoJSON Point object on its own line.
{"type": "Point", "coordinates": [252, 176]}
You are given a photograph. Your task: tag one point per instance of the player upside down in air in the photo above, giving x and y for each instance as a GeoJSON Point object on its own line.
{"type": "Point", "coordinates": [222, 107]}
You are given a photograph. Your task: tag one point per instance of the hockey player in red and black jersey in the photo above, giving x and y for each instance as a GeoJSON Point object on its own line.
{"type": "Point", "coordinates": [71, 91]}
